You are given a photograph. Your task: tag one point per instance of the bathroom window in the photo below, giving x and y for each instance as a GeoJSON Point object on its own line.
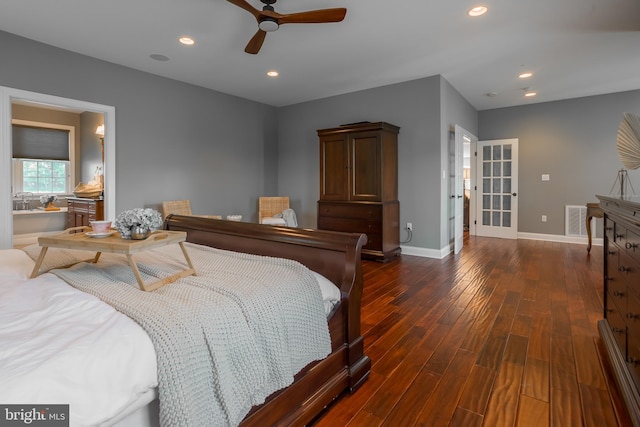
{"type": "Point", "coordinates": [42, 155]}
{"type": "Point", "coordinates": [39, 176]}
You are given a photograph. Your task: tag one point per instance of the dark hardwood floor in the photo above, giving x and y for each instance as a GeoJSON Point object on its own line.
{"type": "Point", "coordinates": [503, 334]}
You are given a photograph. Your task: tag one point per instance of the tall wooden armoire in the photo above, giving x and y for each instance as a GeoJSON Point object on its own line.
{"type": "Point", "coordinates": [359, 185]}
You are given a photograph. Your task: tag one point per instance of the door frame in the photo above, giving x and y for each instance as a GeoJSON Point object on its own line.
{"type": "Point", "coordinates": [7, 96]}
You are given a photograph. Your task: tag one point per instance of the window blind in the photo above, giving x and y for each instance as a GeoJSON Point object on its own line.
{"type": "Point", "coordinates": [40, 143]}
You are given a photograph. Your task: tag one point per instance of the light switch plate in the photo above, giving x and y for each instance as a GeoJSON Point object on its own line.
{"type": "Point", "coordinates": [545, 177]}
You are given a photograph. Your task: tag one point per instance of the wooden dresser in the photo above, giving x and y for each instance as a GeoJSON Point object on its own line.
{"type": "Point", "coordinates": [81, 211]}
{"type": "Point", "coordinates": [359, 185]}
{"type": "Point", "coordinates": [620, 328]}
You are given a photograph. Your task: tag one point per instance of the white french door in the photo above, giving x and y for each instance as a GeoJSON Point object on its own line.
{"type": "Point", "coordinates": [497, 188]}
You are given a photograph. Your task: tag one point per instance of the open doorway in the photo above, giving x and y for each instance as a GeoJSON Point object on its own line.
{"type": "Point", "coordinates": [16, 100]}
{"type": "Point", "coordinates": [462, 196]}
{"type": "Point", "coordinates": [466, 180]}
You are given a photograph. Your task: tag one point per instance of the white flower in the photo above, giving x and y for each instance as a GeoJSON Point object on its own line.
{"type": "Point", "coordinates": [148, 219]}
{"type": "Point", "coordinates": [47, 200]}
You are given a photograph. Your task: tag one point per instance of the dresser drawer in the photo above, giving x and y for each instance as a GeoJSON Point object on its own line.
{"type": "Point", "coordinates": [629, 271]}
{"type": "Point", "coordinates": [609, 227]}
{"type": "Point", "coordinates": [633, 358]}
{"type": "Point", "coordinates": [633, 314]}
{"type": "Point", "coordinates": [632, 245]}
{"type": "Point", "coordinates": [619, 329]}
{"type": "Point", "coordinates": [617, 291]}
{"type": "Point", "coordinates": [351, 210]}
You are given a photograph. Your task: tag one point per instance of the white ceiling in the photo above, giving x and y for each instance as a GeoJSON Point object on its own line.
{"type": "Point", "coordinates": [574, 47]}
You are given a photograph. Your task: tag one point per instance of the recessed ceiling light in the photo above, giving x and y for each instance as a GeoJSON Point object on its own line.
{"type": "Point", "coordinates": [273, 73]}
{"type": "Point", "coordinates": [478, 11]}
{"type": "Point", "coordinates": [530, 94]}
{"type": "Point", "coordinates": [491, 94]}
{"type": "Point", "coordinates": [525, 75]}
{"type": "Point", "coordinates": [187, 41]}
{"type": "Point", "coordinates": [159, 57]}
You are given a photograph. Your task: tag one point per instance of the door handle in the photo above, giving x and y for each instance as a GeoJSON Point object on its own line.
{"type": "Point", "coordinates": [514, 194]}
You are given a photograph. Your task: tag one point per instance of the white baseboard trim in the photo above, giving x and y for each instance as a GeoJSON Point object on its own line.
{"type": "Point", "coordinates": [560, 238]}
{"type": "Point", "coordinates": [440, 254]}
{"type": "Point", "coordinates": [425, 252]}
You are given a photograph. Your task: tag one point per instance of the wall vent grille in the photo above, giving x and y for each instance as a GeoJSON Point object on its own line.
{"type": "Point", "coordinates": [575, 221]}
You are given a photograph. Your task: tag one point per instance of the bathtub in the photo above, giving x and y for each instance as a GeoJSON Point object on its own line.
{"type": "Point", "coordinates": [29, 224]}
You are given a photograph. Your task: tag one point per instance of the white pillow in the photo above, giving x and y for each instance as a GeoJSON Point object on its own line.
{"type": "Point", "coordinates": [15, 264]}
{"type": "Point", "coordinates": [330, 292]}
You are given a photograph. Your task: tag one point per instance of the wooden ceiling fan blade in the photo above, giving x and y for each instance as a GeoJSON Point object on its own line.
{"type": "Point", "coordinates": [246, 6]}
{"type": "Point", "coordinates": [314, 16]}
{"type": "Point", "coordinates": [254, 45]}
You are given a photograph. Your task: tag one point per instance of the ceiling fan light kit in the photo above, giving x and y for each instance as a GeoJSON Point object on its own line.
{"type": "Point", "coordinates": [268, 25]}
{"type": "Point", "coordinates": [269, 20]}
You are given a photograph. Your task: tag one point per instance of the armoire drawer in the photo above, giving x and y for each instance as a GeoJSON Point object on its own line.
{"type": "Point", "coordinates": [374, 242]}
{"type": "Point", "coordinates": [351, 225]}
{"type": "Point", "coordinates": [351, 210]}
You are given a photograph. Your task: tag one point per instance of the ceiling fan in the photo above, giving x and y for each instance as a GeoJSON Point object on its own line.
{"type": "Point", "coordinates": [269, 20]}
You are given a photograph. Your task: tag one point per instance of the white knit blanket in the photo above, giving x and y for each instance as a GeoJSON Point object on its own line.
{"type": "Point", "coordinates": [225, 339]}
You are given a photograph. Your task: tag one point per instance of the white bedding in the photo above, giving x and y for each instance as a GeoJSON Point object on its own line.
{"type": "Point", "coordinates": [60, 345]}
{"type": "Point", "coordinates": [53, 342]}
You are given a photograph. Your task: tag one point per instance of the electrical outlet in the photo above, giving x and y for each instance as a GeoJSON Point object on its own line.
{"type": "Point", "coordinates": [409, 226]}
{"type": "Point", "coordinates": [544, 218]}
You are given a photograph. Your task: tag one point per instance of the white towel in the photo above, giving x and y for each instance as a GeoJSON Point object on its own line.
{"type": "Point", "coordinates": [289, 217]}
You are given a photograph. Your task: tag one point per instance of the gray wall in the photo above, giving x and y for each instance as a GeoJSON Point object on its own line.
{"type": "Point", "coordinates": [415, 107]}
{"type": "Point", "coordinates": [90, 155]}
{"type": "Point", "coordinates": [455, 111]}
{"type": "Point", "coordinates": [574, 141]}
{"type": "Point", "coordinates": [173, 140]}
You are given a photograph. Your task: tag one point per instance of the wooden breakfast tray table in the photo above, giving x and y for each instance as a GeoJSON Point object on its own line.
{"type": "Point", "coordinates": [76, 238]}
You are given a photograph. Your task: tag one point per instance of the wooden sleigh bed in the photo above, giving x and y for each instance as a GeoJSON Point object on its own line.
{"type": "Point", "coordinates": [48, 311]}
{"type": "Point", "coordinates": [337, 257]}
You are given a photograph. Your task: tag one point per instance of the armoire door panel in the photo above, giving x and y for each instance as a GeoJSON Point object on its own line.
{"type": "Point", "coordinates": [365, 171]}
{"type": "Point", "coordinates": [334, 155]}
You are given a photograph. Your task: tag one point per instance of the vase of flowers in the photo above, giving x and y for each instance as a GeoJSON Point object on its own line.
{"type": "Point", "coordinates": [137, 223]}
{"type": "Point", "coordinates": [48, 201]}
